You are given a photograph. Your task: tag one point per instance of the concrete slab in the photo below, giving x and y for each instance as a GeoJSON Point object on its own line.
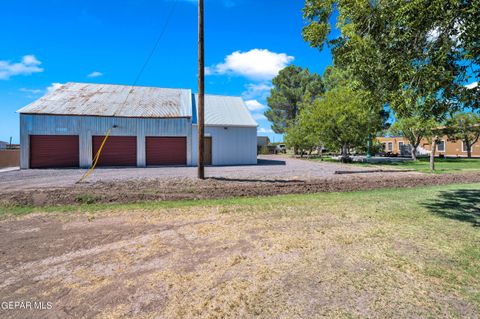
{"type": "Point", "coordinates": [9, 169]}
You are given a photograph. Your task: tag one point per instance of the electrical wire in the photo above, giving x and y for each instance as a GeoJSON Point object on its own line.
{"type": "Point", "coordinates": [137, 78]}
{"type": "Point", "coordinates": [152, 52]}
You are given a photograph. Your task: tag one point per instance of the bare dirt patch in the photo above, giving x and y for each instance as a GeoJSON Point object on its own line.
{"type": "Point", "coordinates": [214, 188]}
{"type": "Point", "coordinates": [320, 258]}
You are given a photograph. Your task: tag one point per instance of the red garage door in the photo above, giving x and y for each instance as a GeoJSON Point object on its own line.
{"type": "Point", "coordinates": [166, 150]}
{"type": "Point", "coordinates": [117, 151]}
{"type": "Point", "coordinates": [49, 151]}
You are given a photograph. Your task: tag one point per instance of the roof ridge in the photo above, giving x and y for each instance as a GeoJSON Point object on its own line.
{"type": "Point", "coordinates": [131, 86]}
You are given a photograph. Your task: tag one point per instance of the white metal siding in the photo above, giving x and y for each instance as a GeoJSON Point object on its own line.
{"type": "Point", "coordinates": [88, 126]}
{"type": "Point", "coordinates": [230, 146]}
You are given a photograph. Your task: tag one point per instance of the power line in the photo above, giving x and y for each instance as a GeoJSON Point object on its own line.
{"type": "Point", "coordinates": [162, 32]}
{"type": "Point", "coordinates": [149, 57]}
{"type": "Point", "coordinates": [152, 51]}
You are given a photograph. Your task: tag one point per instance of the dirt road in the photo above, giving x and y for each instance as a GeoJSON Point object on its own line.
{"type": "Point", "coordinates": [213, 188]}
{"type": "Point", "coordinates": [270, 167]}
{"type": "Point", "coordinates": [274, 175]}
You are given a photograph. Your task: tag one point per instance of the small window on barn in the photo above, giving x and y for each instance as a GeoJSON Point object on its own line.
{"type": "Point", "coordinates": [441, 146]}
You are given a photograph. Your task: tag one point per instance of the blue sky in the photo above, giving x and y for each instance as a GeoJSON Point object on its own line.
{"type": "Point", "coordinates": [47, 42]}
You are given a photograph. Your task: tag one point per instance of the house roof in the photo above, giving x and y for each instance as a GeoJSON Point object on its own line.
{"type": "Point", "coordinates": [113, 100]}
{"type": "Point", "coordinates": [137, 101]}
{"type": "Point", "coordinates": [225, 110]}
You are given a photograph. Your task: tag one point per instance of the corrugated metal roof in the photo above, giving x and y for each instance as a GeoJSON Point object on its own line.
{"type": "Point", "coordinates": [149, 102]}
{"type": "Point", "coordinates": [225, 110]}
{"type": "Point", "coordinates": [113, 100]}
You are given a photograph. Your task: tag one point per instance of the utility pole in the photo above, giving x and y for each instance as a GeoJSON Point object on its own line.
{"type": "Point", "coordinates": [201, 91]}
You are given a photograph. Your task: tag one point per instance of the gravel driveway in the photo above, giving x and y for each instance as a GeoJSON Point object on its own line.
{"type": "Point", "coordinates": [269, 167]}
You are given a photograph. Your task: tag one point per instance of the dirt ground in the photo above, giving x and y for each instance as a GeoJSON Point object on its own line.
{"type": "Point", "coordinates": [274, 175]}
{"type": "Point", "coordinates": [270, 167]}
{"type": "Point", "coordinates": [131, 191]}
{"type": "Point", "coordinates": [322, 258]}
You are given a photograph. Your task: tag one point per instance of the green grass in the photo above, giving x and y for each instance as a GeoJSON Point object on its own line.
{"type": "Point", "coordinates": [442, 165]}
{"type": "Point", "coordinates": [400, 252]}
{"type": "Point", "coordinates": [359, 197]}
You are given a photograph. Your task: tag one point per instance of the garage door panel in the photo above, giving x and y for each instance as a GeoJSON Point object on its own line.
{"type": "Point", "coordinates": [51, 151]}
{"type": "Point", "coordinates": [166, 150]}
{"type": "Point", "coordinates": [117, 151]}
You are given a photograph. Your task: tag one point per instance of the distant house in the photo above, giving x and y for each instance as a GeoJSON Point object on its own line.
{"type": "Point", "coordinates": [263, 141]}
{"type": "Point", "coordinates": [3, 145]}
{"type": "Point", "coordinates": [400, 146]}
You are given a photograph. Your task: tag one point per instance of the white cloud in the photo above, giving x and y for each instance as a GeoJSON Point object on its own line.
{"type": "Point", "coordinates": [256, 64]}
{"type": "Point", "coordinates": [259, 117]}
{"type": "Point", "coordinates": [254, 105]}
{"type": "Point", "coordinates": [264, 130]}
{"type": "Point", "coordinates": [30, 60]}
{"type": "Point", "coordinates": [27, 66]}
{"type": "Point", "coordinates": [256, 109]}
{"type": "Point", "coordinates": [53, 87]}
{"type": "Point", "coordinates": [95, 74]}
{"type": "Point", "coordinates": [471, 85]}
{"type": "Point", "coordinates": [257, 90]}
{"type": "Point", "coordinates": [31, 91]}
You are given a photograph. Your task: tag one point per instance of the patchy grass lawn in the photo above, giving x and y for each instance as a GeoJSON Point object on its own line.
{"type": "Point", "coordinates": [377, 254]}
{"type": "Point", "coordinates": [442, 165]}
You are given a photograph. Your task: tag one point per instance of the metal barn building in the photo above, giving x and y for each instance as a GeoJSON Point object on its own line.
{"type": "Point", "coordinates": [148, 126]}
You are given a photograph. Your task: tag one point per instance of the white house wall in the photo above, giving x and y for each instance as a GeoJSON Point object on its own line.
{"type": "Point", "coordinates": [230, 145]}
{"type": "Point", "coordinates": [88, 126]}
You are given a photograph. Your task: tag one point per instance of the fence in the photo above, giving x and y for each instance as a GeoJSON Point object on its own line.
{"type": "Point", "coordinates": [9, 158]}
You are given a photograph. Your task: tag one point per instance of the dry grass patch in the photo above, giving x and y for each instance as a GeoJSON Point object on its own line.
{"type": "Point", "coordinates": [377, 254]}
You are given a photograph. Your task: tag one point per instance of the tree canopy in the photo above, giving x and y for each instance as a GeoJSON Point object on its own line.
{"type": "Point", "coordinates": [415, 56]}
{"type": "Point", "coordinates": [290, 87]}
{"type": "Point", "coordinates": [414, 129]}
{"type": "Point", "coordinates": [466, 128]}
{"type": "Point", "coordinates": [416, 53]}
{"type": "Point", "coordinates": [341, 119]}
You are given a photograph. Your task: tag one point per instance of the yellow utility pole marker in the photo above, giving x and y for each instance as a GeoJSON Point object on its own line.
{"type": "Point", "coordinates": [95, 159]}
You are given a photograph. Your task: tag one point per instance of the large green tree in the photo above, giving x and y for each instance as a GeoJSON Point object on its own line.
{"type": "Point", "coordinates": [341, 119]}
{"type": "Point", "coordinates": [466, 128]}
{"type": "Point", "coordinates": [402, 49]}
{"type": "Point", "coordinates": [414, 129]}
{"type": "Point", "coordinates": [290, 87]}
{"type": "Point", "coordinates": [411, 55]}
{"type": "Point", "coordinates": [300, 137]}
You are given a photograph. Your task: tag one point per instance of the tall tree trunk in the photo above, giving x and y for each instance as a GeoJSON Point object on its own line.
{"type": "Point", "coordinates": [414, 153]}
{"type": "Point", "coordinates": [432, 153]}
{"type": "Point", "coordinates": [344, 157]}
{"type": "Point", "coordinates": [467, 143]}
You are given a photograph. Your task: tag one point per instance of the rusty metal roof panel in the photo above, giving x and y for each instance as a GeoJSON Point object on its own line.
{"type": "Point", "coordinates": [113, 100]}
{"type": "Point", "coordinates": [225, 110]}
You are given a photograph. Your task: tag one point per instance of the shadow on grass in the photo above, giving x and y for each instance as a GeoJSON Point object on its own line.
{"type": "Point", "coordinates": [253, 180]}
{"type": "Point", "coordinates": [462, 205]}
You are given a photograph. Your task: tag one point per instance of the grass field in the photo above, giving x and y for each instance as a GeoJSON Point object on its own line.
{"type": "Point", "coordinates": [377, 254]}
{"type": "Point", "coordinates": [442, 165]}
